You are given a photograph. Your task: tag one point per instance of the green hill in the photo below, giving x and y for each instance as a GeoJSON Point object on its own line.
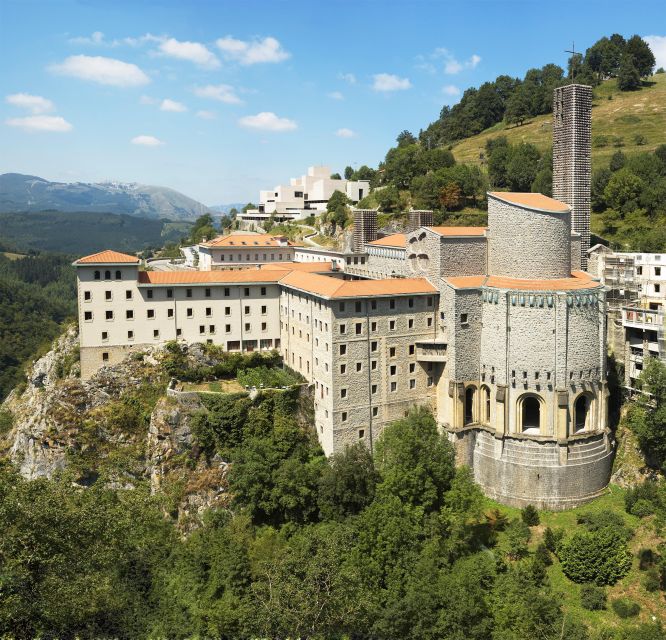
{"type": "Point", "coordinates": [617, 119]}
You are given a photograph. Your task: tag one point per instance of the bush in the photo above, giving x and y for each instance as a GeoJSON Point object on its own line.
{"type": "Point", "coordinates": [530, 516]}
{"type": "Point", "coordinates": [647, 494]}
{"type": "Point", "coordinates": [651, 580]}
{"type": "Point", "coordinates": [640, 139]}
{"type": "Point", "coordinates": [605, 520]}
{"type": "Point", "coordinates": [543, 555]}
{"type": "Point", "coordinates": [517, 536]}
{"type": "Point", "coordinates": [6, 421]}
{"type": "Point", "coordinates": [592, 597]}
{"type": "Point", "coordinates": [642, 508]}
{"type": "Point", "coordinates": [646, 559]}
{"type": "Point", "coordinates": [599, 556]}
{"type": "Point", "coordinates": [626, 608]}
{"type": "Point", "coordinates": [552, 539]}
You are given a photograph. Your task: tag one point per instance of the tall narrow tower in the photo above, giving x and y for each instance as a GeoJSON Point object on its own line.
{"type": "Point", "coordinates": [365, 228]}
{"type": "Point", "coordinates": [572, 148]}
{"type": "Point", "coordinates": [420, 218]}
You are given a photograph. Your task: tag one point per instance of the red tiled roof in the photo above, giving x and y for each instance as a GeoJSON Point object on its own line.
{"type": "Point", "coordinates": [108, 257]}
{"type": "Point", "coordinates": [328, 287]}
{"type": "Point", "coordinates": [247, 241]}
{"type": "Point", "coordinates": [531, 201]}
{"type": "Point", "coordinates": [578, 280]}
{"type": "Point", "coordinates": [459, 231]}
{"type": "Point", "coordinates": [395, 240]}
{"type": "Point", "coordinates": [211, 277]}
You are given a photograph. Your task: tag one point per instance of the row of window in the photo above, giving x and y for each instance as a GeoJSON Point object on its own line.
{"type": "Point", "coordinates": [357, 305]}
{"type": "Point", "coordinates": [189, 313]}
{"type": "Point", "coordinates": [392, 325]}
{"type": "Point", "coordinates": [189, 293]}
{"type": "Point", "coordinates": [238, 257]}
{"type": "Point", "coordinates": [179, 331]}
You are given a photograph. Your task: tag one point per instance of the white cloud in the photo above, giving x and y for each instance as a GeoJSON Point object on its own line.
{"type": "Point", "coordinates": [390, 82]}
{"type": "Point", "coordinates": [452, 65]}
{"type": "Point", "coordinates": [206, 115]}
{"type": "Point", "coordinates": [450, 90]}
{"type": "Point", "coordinates": [147, 141]}
{"type": "Point", "coordinates": [171, 105]}
{"type": "Point", "coordinates": [191, 51]}
{"type": "Point", "coordinates": [220, 92]}
{"type": "Point", "coordinates": [96, 38]}
{"type": "Point", "coordinates": [252, 52]}
{"type": "Point", "coordinates": [658, 46]}
{"type": "Point", "coordinates": [335, 95]}
{"type": "Point", "coordinates": [34, 104]}
{"type": "Point", "coordinates": [349, 78]}
{"type": "Point", "coordinates": [102, 70]}
{"type": "Point", "coordinates": [147, 100]}
{"type": "Point", "coordinates": [40, 123]}
{"type": "Point", "coordinates": [345, 133]}
{"type": "Point", "coordinates": [267, 121]}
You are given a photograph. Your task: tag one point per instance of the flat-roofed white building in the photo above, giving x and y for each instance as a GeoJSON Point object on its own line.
{"type": "Point", "coordinates": [238, 249]}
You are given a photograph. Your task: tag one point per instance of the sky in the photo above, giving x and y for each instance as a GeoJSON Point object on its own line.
{"type": "Point", "coordinates": [219, 99]}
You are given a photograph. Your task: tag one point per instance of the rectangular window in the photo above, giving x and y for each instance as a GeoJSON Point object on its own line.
{"type": "Point", "coordinates": [373, 305]}
{"type": "Point", "coordinates": [657, 271]}
{"type": "Point", "coordinates": [211, 328]}
{"type": "Point", "coordinates": [391, 303]}
{"type": "Point", "coordinates": [169, 293]}
{"type": "Point", "coordinates": [343, 416]}
{"type": "Point", "coordinates": [179, 332]}
{"type": "Point", "coordinates": [373, 327]}
{"type": "Point", "coordinates": [129, 314]}
{"type": "Point", "coordinates": [227, 311]}
{"type": "Point", "coordinates": [393, 369]}
{"type": "Point", "coordinates": [361, 434]}
{"type": "Point", "coordinates": [343, 349]}
{"type": "Point", "coordinates": [128, 295]}
{"type": "Point", "coordinates": [109, 315]}
{"type": "Point", "coordinates": [149, 294]}
{"type": "Point", "coordinates": [209, 312]}
{"type": "Point", "coordinates": [394, 386]}
{"type": "Point", "coordinates": [410, 303]}
{"type": "Point", "coordinates": [169, 313]}
{"type": "Point", "coordinates": [130, 335]}
{"type": "Point", "coordinates": [375, 411]}
{"type": "Point", "coordinates": [263, 291]}
{"type": "Point", "coordinates": [358, 307]}
{"type": "Point", "coordinates": [373, 346]}
{"type": "Point", "coordinates": [207, 292]}
{"type": "Point", "coordinates": [342, 306]}
{"type": "Point", "coordinates": [373, 389]}
{"type": "Point", "coordinates": [430, 381]}
{"type": "Point", "coordinates": [412, 367]}
{"type": "Point", "coordinates": [202, 328]}
{"type": "Point", "coordinates": [246, 310]}
{"type": "Point", "coordinates": [263, 326]}
{"type": "Point", "coordinates": [188, 293]}
{"type": "Point", "coordinates": [105, 356]}
{"type": "Point", "coordinates": [343, 328]}
{"type": "Point", "coordinates": [429, 323]}
{"type": "Point", "coordinates": [87, 296]}
{"type": "Point", "coordinates": [392, 352]}
{"type": "Point", "coordinates": [343, 393]}
{"type": "Point", "coordinates": [247, 326]}
{"type": "Point", "coordinates": [359, 328]}
{"type": "Point", "coordinates": [359, 366]}
{"type": "Point", "coordinates": [227, 292]}
{"type": "Point", "coordinates": [657, 288]}
{"type": "Point", "coordinates": [107, 295]}
{"type": "Point", "coordinates": [264, 310]}
{"type": "Point", "coordinates": [412, 384]}
{"type": "Point", "coordinates": [411, 349]}
{"type": "Point", "coordinates": [429, 301]}
{"type": "Point", "coordinates": [227, 328]}
{"type": "Point", "coordinates": [105, 335]}
{"type": "Point", "coordinates": [410, 323]}
{"type": "Point", "coordinates": [373, 365]}
{"type": "Point", "coordinates": [463, 318]}
{"type": "Point", "coordinates": [391, 325]}
{"type": "Point", "coordinates": [156, 333]}
{"type": "Point", "coordinates": [150, 313]}
{"type": "Point", "coordinates": [343, 368]}
{"type": "Point", "coordinates": [246, 292]}
{"type": "Point", "coordinates": [190, 312]}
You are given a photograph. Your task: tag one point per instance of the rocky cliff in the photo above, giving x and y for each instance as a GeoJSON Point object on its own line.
{"type": "Point", "coordinates": [119, 427]}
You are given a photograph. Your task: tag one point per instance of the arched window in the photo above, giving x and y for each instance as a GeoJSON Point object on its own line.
{"type": "Point", "coordinates": [470, 394]}
{"type": "Point", "coordinates": [485, 406]}
{"type": "Point", "coordinates": [118, 275]}
{"type": "Point", "coordinates": [107, 275]}
{"type": "Point", "coordinates": [97, 275]}
{"type": "Point", "coordinates": [424, 260]}
{"type": "Point", "coordinates": [530, 414]}
{"type": "Point", "coordinates": [581, 413]}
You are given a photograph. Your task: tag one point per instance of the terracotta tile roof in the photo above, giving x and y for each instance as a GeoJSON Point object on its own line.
{"type": "Point", "coordinates": [296, 266]}
{"type": "Point", "coordinates": [328, 287]}
{"type": "Point", "coordinates": [578, 280]}
{"type": "Point", "coordinates": [459, 231]}
{"type": "Point", "coordinates": [395, 240]}
{"type": "Point", "coordinates": [531, 201]}
{"type": "Point", "coordinates": [210, 277]}
{"type": "Point", "coordinates": [108, 257]}
{"type": "Point", "coordinates": [247, 241]}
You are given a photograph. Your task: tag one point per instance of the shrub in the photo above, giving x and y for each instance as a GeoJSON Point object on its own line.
{"type": "Point", "coordinates": [646, 559]}
{"type": "Point", "coordinates": [642, 508]}
{"type": "Point", "coordinates": [543, 555]}
{"type": "Point", "coordinates": [530, 516]}
{"type": "Point", "coordinates": [640, 139]}
{"type": "Point", "coordinates": [625, 608]}
{"type": "Point", "coordinates": [605, 520]}
{"type": "Point", "coordinates": [646, 492]}
{"type": "Point", "coordinates": [592, 597]}
{"type": "Point", "coordinates": [651, 580]}
{"type": "Point", "coordinates": [600, 141]}
{"type": "Point", "coordinates": [598, 556]}
{"type": "Point", "coordinates": [6, 421]}
{"type": "Point", "coordinates": [552, 538]}
{"type": "Point", "coordinates": [517, 537]}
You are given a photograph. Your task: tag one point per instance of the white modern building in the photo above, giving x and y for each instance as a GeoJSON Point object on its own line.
{"type": "Point", "coordinates": [304, 196]}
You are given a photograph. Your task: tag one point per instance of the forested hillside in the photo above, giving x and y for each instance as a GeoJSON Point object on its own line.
{"type": "Point", "coordinates": [37, 294]}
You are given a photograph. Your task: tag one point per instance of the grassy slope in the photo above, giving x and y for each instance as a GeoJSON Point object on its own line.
{"type": "Point", "coordinates": [652, 604]}
{"type": "Point", "coordinates": [626, 115]}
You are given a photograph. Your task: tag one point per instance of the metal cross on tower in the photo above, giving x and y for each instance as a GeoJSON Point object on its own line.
{"type": "Point", "coordinates": [573, 59]}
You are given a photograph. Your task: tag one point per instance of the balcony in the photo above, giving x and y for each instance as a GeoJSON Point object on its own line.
{"type": "Point", "coordinates": [642, 318]}
{"type": "Point", "coordinates": [431, 351]}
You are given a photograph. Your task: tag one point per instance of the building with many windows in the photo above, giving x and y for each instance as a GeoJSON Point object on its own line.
{"type": "Point", "coordinates": [495, 329]}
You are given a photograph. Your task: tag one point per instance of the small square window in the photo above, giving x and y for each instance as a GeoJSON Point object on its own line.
{"type": "Point", "coordinates": [188, 293]}
{"type": "Point", "coordinates": [129, 314]}
{"type": "Point", "coordinates": [412, 367]}
{"type": "Point", "coordinates": [150, 313]}
{"type": "Point", "coordinates": [375, 411]}
{"type": "Point", "coordinates": [373, 365]}
{"type": "Point", "coordinates": [343, 328]}
{"type": "Point", "coordinates": [359, 328]}
{"type": "Point", "coordinates": [105, 356]}
{"type": "Point", "coordinates": [463, 318]}
{"type": "Point", "coordinates": [412, 384]}
{"type": "Point", "coordinates": [394, 386]}
{"type": "Point", "coordinates": [169, 313]}
{"type": "Point", "coordinates": [128, 295]}
{"type": "Point", "coordinates": [190, 312]}
{"type": "Point", "coordinates": [179, 332]}
{"type": "Point", "coordinates": [130, 335]}
{"type": "Point", "coordinates": [156, 333]}
{"type": "Point", "coordinates": [207, 292]}
{"type": "Point", "coordinates": [359, 366]}
{"type": "Point", "coordinates": [343, 349]}
{"type": "Point", "coordinates": [109, 315]}
{"type": "Point", "coordinates": [202, 328]}
{"type": "Point", "coordinates": [87, 296]}
{"type": "Point", "coordinates": [373, 346]}
{"type": "Point", "coordinates": [343, 416]}
{"type": "Point", "coordinates": [343, 368]}
{"type": "Point", "coordinates": [107, 295]}
{"type": "Point", "coordinates": [392, 352]}
{"type": "Point", "coordinates": [343, 393]}
{"type": "Point", "coordinates": [169, 293]}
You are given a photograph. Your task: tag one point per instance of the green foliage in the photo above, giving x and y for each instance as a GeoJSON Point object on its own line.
{"type": "Point", "coordinates": [599, 556]}
{"type": "Point", "coordinates": [623, 191]}
{"type": "Point", "coordinates": [647, 413]}
{"type": "Point", "coordinates": [517, 536]}
{"type": "Point", "coordinates": [592, 597]}
{"type": "Point", "coordinates": [203, 227]}
{"type": "Point", "coordinates": [337, 209]}
{"type": "Point", "coordinates": [651, 580]}
{"type": "Point", "coordinates": [625, 608]}
{"type": "Point", "coordinates": [6, 421]}
{"type": "Point", "coordinates": [603, 520]}
{"type": "Point", "coordinates": [629, 78]}
{"type": "Point", "coordinates": [552, 538]}
{"type": "Point", "coordinates": [38, 295]}
{"type": "Point", "coordinates": [263, 376]}
{"type": "Point", "coordinates": [347, 483]}
{"type": "Point", "coordinates": [415, 461]}
{"type": "Point", "coordinates": [529, 515]}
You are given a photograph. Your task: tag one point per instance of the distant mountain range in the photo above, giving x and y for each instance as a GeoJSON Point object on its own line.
{"type": "Point", "coordinates": [225, 208]}
{"type": "Point", "coordinates": [20, 192]}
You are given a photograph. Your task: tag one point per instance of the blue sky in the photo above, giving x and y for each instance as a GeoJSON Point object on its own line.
{"type": "Point", "coordinates": [221, 98]}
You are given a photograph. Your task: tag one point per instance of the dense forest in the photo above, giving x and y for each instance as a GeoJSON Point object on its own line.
{"type": "Point", "coordinates": [399, 545]}
{"type": "Point", "coordinates": [38, 294]}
